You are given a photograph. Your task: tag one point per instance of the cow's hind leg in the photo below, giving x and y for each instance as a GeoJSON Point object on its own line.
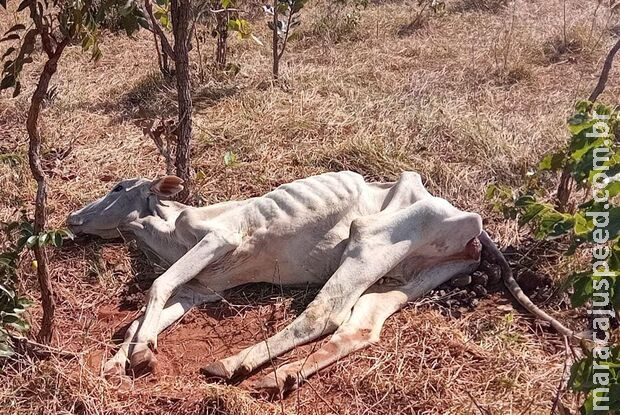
{"type": "Point", "coordinates": [363, 327]}
{"type": "Point", "coordinates": [376, 245]}
{"type": "Point", "coordinates": [360, 330]}
{"type": "Point", "coordinates": [183, 301]}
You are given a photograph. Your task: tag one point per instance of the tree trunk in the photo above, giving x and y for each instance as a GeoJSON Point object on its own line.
{"type": "Point", "coordinates": [275, 41]}
{"type": "Point", "coordinates": [222, 38]}
{"type": "Point", "coordinates": [34, 158]}
{"type": "Point", "coordinates": [564, 190]}
{"type": "Point", "coordinates": [181, 18]}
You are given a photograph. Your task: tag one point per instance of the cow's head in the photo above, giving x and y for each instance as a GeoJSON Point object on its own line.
{"type": "Point", "coordinates": [447, 231]}
{"type": "Point", "coordinates": [127, 201]}
{"type": "Point", "coordinates": [457, 236]}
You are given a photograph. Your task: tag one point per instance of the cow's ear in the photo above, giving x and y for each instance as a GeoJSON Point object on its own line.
{"type": "Point", "coordinates": [167, 186]}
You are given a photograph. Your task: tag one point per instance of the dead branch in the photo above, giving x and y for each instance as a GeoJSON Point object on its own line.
{"type": "Point", "coordinates": [602, 80]}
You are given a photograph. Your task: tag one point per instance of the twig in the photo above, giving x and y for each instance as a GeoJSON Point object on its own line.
{"type": "Point", "coordinates": [165, 44]}
{"type": "Point", "coordinates": [286, 34]}
{"type": "Point", "coordinates": [566, 363]}
{"type": "Point", "coordinates": [481, 409]}
{"type": "Point", "coordinates": [48, 349]}
{"type": "Point", "coordinates": [602, 80]}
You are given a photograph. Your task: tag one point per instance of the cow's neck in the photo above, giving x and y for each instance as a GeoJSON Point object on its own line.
{"type": "Point", "coordinates": [155, 231]}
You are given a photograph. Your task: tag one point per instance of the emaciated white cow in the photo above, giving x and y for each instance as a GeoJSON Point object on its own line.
{"type": "Point", "coordinates": [334, 229]}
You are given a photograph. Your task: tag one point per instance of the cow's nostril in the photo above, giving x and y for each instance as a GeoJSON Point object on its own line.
{"type": "Point", "coordinates": [74, 220]}
{"type": "Point", "coordinates": [473, 248]}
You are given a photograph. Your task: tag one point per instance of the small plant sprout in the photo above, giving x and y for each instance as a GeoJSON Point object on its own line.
{"type": "Point", "coordinates": [230, 159]}
{"type": "Point", "coordinates": [284, 16]}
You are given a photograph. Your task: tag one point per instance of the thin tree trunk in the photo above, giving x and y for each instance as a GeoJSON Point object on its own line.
{"type": "Point", "coordinates": [564, 189]}
{"type": "Point", "coordinates": [181, 19]}
{"type": "Point", "coordinates": [222, 38]}
{"type": "Point", "coordinates": [34, 158]}
{"type": "Point", "coordinates": [162, 57]}
{"type": "Point", "coordinates": [602, 80]}
{"type": "Point", "coordinates": [275, 40]}
{"type": "Point", "coordinates": [164, 61]}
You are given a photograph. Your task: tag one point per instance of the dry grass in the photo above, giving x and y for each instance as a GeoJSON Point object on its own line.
{"type": "Point", "coordinates": [471, 96]}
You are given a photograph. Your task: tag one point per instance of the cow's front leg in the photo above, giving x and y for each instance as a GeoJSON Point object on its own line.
{"type": "Point", "coordinates": [214, 246]}
{"type": "Point", "coordinates": [177, 307]}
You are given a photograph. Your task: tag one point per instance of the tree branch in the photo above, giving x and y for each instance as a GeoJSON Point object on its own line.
{"type": "Point", "coordinates": [165, 44]}
{"type": "Point", "coordinates": [286, 34]}
{"type": "Point", "coordinates": [602, 80]}
{"type": "Point", "coordinates": [47, 39]}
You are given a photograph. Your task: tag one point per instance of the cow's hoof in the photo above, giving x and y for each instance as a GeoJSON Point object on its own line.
{"type": "Point", "coordinates": [277, 383]}
{"type": "Point", "coordinates": [143, 362]}
{"type": "Point", "coordinates": [113, 369]}
{"type": "Point", "coordinates": [217, 370]}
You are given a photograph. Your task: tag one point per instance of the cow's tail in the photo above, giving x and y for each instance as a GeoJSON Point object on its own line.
{"type": "Point", "coordinates": [514, 288]}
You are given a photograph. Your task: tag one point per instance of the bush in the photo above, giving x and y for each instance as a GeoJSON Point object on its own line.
{"type": "Point", "coordinates": [589, 170]}
{"type": "Point", "coordinates": [12, 306]}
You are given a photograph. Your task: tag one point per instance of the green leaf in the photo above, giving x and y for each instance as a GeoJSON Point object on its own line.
{"type": "Point", "coordinates": [24, 4]}
{"type": "Point", "coordinates": [583, 289]}
{"type": "Point", "coordinates": [9, 318]}
{"type": "Point", "coordinates": [12, 36]}
{"type": "Point", "coordinates": [57, 239]}
{"type": "Point", "coordinates": [553, 162]}
{"type": "Point", "coordinates": [7, 82]}
{"type": "Point", "coordinates": [32, 241]}
{"type": "Point", "coordinates": [583, 226]}
{"type": "Point", "coordinates": [581, 374]}
{"type": "Point", "coordinates": [6, 291]}
{"type": "Point", "coordinates": [8, 52]}
{"type": "Point", "coordinates": [43, 239]}
{"type": "Point", "coordinates": [5, 349]}
{"type": "Point", "coordinates": [230, 159]}
{"type": "Point", "coordinates": [68, 234]}
{"type": "Point", "coordinates": [614, 256]}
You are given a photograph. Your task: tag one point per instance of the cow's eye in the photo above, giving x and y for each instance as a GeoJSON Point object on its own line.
{"type": "Point", "coordinates": [118, 188]}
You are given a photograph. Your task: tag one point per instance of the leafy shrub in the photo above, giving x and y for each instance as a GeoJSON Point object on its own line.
{"type": "Point", "coordinates": [12, 306]}
{"type": "Point", "coordinates": [592, 150]}
{"type": "Point", "coordinates": [19, 235]}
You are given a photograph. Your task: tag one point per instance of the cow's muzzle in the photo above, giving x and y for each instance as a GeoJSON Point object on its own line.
{"type": "Point", "coordinates": [473, 249]}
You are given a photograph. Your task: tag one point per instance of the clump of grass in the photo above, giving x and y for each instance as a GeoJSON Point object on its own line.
{"type": "Point", "coordinates": [567, 46]}
{"type": "Point", "coordinates": [513, 75]}
{"type": "Point", "coordinates": [489, 6]}
{"type": "Point", "coordinates": [418, 23]}
{"type": "Point", "coordinates": [337, 21]}
{"type": "Point", "coordinates": [371, 158]}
